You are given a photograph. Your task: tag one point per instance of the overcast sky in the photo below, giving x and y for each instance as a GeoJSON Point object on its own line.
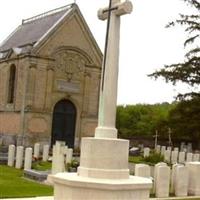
{"type": "Point", "coordinates": [145, 43]}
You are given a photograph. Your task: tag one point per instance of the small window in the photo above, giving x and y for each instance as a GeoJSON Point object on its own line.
{"type": "Point", "coordinates": [11, 84]}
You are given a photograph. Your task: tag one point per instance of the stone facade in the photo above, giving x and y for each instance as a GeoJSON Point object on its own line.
{"type": "Point", "coordinates": [65, 63]}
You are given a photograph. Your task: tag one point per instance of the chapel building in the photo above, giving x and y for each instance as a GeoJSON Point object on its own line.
{"type": "Point", "coordinates": [50, 70]}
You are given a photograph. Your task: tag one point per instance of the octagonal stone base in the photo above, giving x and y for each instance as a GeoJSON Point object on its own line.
{"type": "Point", "coordinates": [70, 186]}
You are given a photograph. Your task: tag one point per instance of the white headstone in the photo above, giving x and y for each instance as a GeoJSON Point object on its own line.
{"type": "Point", "coordinates": [158, 149]}
{"type": "Point", "coordinates": [142, 170]}
{"type": "Point", "coordinates": [195, 157]}
{"type": "Point", "coordinates": [155, 174]}
{"type": "Point", "coordinates": [28, 158]}
{"type": "Point", "coordinates": [181, 157]}
{"type": "Point", "coordinates": [182, 146]}
{"type": "Point", "coordinates": [162, 181]}
{"type": "Point", "coordinates": [194, 178]}
{"type": "Point", "coordinates": [36, 153]}
{"type": "Point", "coordinates": [176, 149]}
{"type": "Point", "coordinates": [58, 164]}
{"type": "Point", "coordinates": [65, 149]}
{"type": "Point", "coordinates": [11, 155]}
{"type": "Point", "coordinates": [189, 147]}
{"type": "Point", "coordinates": [45, 155]}
{"type": "Point", "coordinates": [169, 148]}
{"type": "Point", "coordinates": [76, 142]}
{"type": "Point", "coordinates": [174, 157]}
{"type": "Point", "coordinates": [19, 157]}
{"type": "Point", "coordinates": [146, 151]}
{"type": "Point", "coordinates": [185, 150]}
{"type": "Point", "coordinates": [189, 157]}
{"type": "Point", "coordinates": [173, 175]}
{"type": "Point", "coordinates": [181, 181]}
{"type": "Point", "coordinates": [167, 156]}
{"type": "Point", "coordinates": [69, 155]}
{"type": "Point", "coordinates": [163, 149]}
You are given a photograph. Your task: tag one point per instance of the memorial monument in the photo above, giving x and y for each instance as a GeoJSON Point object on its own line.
{"type": "Point", "coordinates": [103, 172]}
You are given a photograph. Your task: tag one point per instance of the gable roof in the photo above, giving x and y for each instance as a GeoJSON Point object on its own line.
{"type": "Point", "coordinates": [32, 29]}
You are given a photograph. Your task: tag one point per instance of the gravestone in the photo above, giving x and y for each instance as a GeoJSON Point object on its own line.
{"type": "Point", "coordinates": [19, 157]}
{"type": "Point", "coordinates": [195, 157]}
{"type": "Point", "coordinates": [173, 177]}
{"type": "Point", "coordinates": [182, 146]}
{"type": "Point", "coordinates": [36, 152]}
{"type": "Point", "coordinates": [11, 155]}
{"type": "Point", "coordinates": [142, 170]}
{"type": "Point", "coordinates": [181, 157]}
{"type": "Point", "coordinates": [58, 162]}
{"type": "Point", "coordinates": [169, 148]}
{"type": "Point", "coordinates": [181, 181]}
{"type": "Point", "coordinates": [194, 178]}
{"type": "Point", "coordinates": [28, 158]}
{"type": "Point", "coordinates": [176, 149]}
{"type": "Point", "coordinates": [45, 154]}
{"type": "Point", "coordinates": [167, 156]}
{"type": "Point", "coordinates": [69, 155]}
{"type": "Point", "coordinates": [189, 147]}
{"type": "Point", "coordinates": [163, 149]}
{"type": "Point", "coordinates": [158, 148]}
{"type": "Point", "coordinates": [189, 157]}
{"type": "Point", "coordinates": [146, 152]}
{"type": "Point", "coordinates": [174, 157]}
{"type": "Point", "coordinates": [155, 174]}
{"type": "Point", "coordinates": [162, 181]}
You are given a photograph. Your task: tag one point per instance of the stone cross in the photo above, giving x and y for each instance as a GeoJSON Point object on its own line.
{"type": "Point", "coordinates": [156, 138]}
{"type": "Point", "coordinates": [169, 134]}
{"type": "Point", "coordinates": [108, 96]}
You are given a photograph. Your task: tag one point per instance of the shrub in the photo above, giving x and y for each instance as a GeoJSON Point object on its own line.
{"type": "Point", "coordinates": [154, 158]}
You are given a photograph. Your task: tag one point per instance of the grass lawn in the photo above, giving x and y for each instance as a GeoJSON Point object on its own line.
{"type": "Point", "coordinates": [41, 166]}
{"type": "Point", "coordinates": [12, 184]}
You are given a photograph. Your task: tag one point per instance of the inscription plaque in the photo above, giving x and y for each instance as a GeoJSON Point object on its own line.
{"type": "Point", "coordinates": [65, 86]}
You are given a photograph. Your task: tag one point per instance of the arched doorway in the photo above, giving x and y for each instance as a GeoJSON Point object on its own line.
{"type": "Point", "coordinates": [64, 122]}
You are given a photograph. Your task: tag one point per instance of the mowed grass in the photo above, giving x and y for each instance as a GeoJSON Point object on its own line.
{"type": "Point", "coordinates": [41, 166]}
{"type": "Point", "coordinates": [12, 184]}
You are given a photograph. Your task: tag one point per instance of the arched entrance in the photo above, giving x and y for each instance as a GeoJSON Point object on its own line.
{"type": "Point", "coordinates": [64, 122]}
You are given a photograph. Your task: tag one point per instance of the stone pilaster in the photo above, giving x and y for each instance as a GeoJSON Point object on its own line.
{"type": "Point", "coordinates": [86, 97]}
{"type": "Point", "coordinates": [31, 85]}
{"type": "Point", "coordinates": [50, 77]}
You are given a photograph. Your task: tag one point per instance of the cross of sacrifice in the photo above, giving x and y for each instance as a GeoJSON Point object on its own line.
{"type": "Point", "coordinates": [108, 95]}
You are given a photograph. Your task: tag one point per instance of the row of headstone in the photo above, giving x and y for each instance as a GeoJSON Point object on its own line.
{"type": "Point", "coordinates": [186, 147]}
{"type": "Point", "coordinates": [182, 180]}
{"type": "Point", "coordinates": [180, 157]}
{"type": "Point", "coordinates": [174, 156]}
{"type": "Point", "coordinates": [16, 155]}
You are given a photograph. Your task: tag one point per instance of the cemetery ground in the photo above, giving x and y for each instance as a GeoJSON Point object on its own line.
{"type": "Point", "coordinates": [13, 185]}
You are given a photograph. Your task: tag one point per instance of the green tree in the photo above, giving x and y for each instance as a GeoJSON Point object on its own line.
{"type": "Point", "coordinates": [184, 120]}
{"type": "Point", "coordinates": [188, 71]}
{"type": "Point", "coordinates": [143, 119]}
